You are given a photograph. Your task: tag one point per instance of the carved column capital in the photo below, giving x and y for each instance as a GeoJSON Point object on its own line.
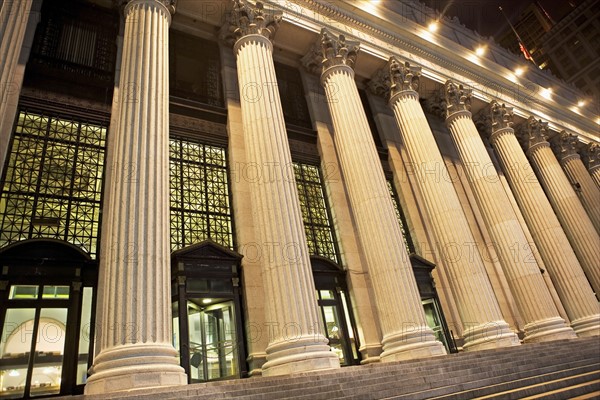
{"type": "Point", "coordinates": [250, 19]}
{"type": "Point", "coordinates": [458, 98]}
{"type": "Point", "coordinates": [501, 120]}
{"type": "Point", "coordinates": [565, 146]}
{"type": "Point", "coordinates": [591, 155]}
{"type": "Point", "coordinates": [403, 76]}
{"type": "Point", "coordinates": [170, 5]}
{"type": "Point", "coordinates": [379, 84]}
{"type": "Point", "coordinates": [533, 134]}
{"type": "Point", "coordinates": [330, 51]}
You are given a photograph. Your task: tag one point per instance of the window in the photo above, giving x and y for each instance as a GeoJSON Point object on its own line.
{"type": "Point", "coordinates": [291, 92]}
{"type": "Point", "coordinates": [315, 212]}
{"type": "Point", "coordinates": [200, 207]}
{"type": "Point", "coordinates": [410, 247]}
{"type": "Point", "coordinates": [53, 182]}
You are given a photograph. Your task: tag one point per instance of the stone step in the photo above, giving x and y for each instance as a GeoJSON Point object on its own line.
{"type": "Point", "coordinates": [453, 373]}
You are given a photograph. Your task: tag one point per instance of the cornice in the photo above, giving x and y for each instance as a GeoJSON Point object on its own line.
{"type": "Point", "coordinates": [327, 15]}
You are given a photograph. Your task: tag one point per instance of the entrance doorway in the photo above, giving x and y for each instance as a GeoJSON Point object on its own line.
{"type": "Point", "coordinates": [207, 317]}
{"type": "Point", "coordinates": [46, 314]}
{"type": "Point", "coordinates": [335, 316]}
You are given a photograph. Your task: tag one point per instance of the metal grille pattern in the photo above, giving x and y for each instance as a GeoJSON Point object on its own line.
{"type": "Point", "coordinates": [401, 220]}
{"type": "Point", "coordinates": [315, 213]}
{"type": "Point", "coordinates": [53, 181]}
{"type": "Point", "coordinates": [200, 207]}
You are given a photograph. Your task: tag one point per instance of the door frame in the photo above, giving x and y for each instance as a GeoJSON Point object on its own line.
{"type": "Point", "coordinates": [52, 262]}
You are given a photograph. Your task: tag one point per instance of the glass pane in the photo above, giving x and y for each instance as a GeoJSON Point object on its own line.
{"type": "Point", "coordinates": [23, 292]}
{"type": "Point", "coordinates": [332, 324]}
{"type": "Point", "coordinates": [338, 350]}
{"type": "Point", "coordinates": [15, 351]}
{"type": "Point", "coordinates": [327, 294]}
{"type": "Point", "coordinates": [349, 326]}
{"type": "Point", "coordinates": [195, 343]}
{"type": "Point", "coordinates": [175, 314]}
{"type": "Point", "coordinates": [56, 292]}
{"type": "Point", "coordinates": [84, 335]}
{"type": "Point", "coordinates": [49, 351]}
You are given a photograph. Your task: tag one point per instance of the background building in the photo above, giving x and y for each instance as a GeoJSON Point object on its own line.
{"type": "Point", "coordinates": [194, 191]}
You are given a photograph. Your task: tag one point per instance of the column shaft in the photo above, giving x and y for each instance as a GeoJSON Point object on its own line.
{"type": "Point", "coordinates": [589, 193]}
{"type": "Point", "coordinates": [571, 214]}
{"type": "Point", "coordinates": [405, 331]}
{"type": "Point", "coordinates": [542, 320]}
{"type": "Point", "coordinates": [134, 340]}
{"type": "Point", "coordinates": [571, 284]}
{"type": "Point", "coordinates": [484, 326]}
{"type": "Point", "coordinates": [14, 17]}
{"type": "Point", "coordinates": [296, 343]}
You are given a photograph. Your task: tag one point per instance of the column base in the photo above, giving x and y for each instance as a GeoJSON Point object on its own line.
{"type": "Point", "coordinates": [491, 335]}
{"type": "Point", "coordinates": [587, 326]}
{"type": "Point", "coordinates": [138, 366]}
{"type": "Point", "coordinates": [413, 345]}
{"type": "Point", "coordinates": [370, 353]}
{"type": "Point", "coordinates": [548, 330]}
{"type": "Point", "coordinates": [299, 355]}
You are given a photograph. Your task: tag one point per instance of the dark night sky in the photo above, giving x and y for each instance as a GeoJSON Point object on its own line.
{"type": "Point", "coordinates": [484, 17]}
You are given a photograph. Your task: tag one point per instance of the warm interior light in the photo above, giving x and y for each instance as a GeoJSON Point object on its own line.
{"type": "Point", "coordinates": [480, 51]}
{"type": "Point", "coordinates": [206, 301]}
{"type": "Point", "coordinates": [519, 71]}
{"type": "Point", "coordinates": [14, 372]}
{"type": "Point", "coordinates": [433, 27]}
{"type": "Point", "coordinates": [546, 93]}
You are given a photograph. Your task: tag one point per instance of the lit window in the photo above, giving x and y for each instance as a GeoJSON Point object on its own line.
{"type": "Point", "coordinates": [53, 183]}
{"type": "Point", "coordinates": [199, 194]}
{"type": "Point", "coordinates": [315, 212]}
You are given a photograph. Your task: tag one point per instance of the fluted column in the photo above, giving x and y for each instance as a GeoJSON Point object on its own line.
{"type": "Point", "coordinates": [565, 146]}
{"type": "Point", "coordinates": [404, 328]}
{"type": "Point", "coordinates": [296, 343]}
{"type": "Point", "coordinates": [559, 258]}
{"type": "Point", "coordinates": [134, 338]}
{"type": "Point", "coordinates": [542, 320]}
{"type": "Point", "coordinates": [14, 16]}
{"type": "Point", "coordinates": [592, 161]}
{"type": "Point", "coordinates": [577, 225]}
{"type": "Point", "coordinates": [477, 305]}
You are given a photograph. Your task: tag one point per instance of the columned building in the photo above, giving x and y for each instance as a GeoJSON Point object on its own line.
{"type": "Point", "coordinates": [195, 191]}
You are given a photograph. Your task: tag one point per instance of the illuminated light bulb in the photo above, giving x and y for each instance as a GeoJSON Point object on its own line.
{"type": "Point", "coordinates": [206, 301]}
{"type": "Point", "coordinates": [581, 103]}
{"type": "Point", "coordinates": [519, 71]}
{"type": "Point", "coordinates": [433, 27]}
{"type": "Point", "coordinates": [480, 51]}
{"type": "Point", "coordinates": [14, 372]}
{"type": "Point", "coordinates": [546, 93]}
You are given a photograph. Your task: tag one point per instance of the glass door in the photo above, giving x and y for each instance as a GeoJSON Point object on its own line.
{"type": "Point", "coordinates": [335, 320]}
{"type": "Point", "coordinates": [434, 321]}
{"type": "Point", "coordinates": [212, 339]}
{"type": "Point", "coordinates": [33, 347]}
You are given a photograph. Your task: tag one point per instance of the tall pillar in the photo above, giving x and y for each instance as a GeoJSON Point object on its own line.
{"type": "Point", "coordinates": [404, 328]}
{"type": "Point", "coordinates": [592, 161]}
{"type": "Point", "coordinates": [17, 25]}
{"type": "Point", "coordinates": [134, 309]}
{"type": "Point", "coordinates": [559, 258]}
{"type": "Point", "coordinates": [565, 146]}
{"type": "Point", "coordinates": [571, 214]}
{"type": "Point", "coordinates": [477, 305]}
{"type": "Point", "coordinates": [296, 343]}
{"type": "Point", "coordinates": [542, 320]}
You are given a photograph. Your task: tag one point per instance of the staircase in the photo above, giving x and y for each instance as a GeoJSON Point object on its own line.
{"type": "Point", "coordinates": [565, 369]}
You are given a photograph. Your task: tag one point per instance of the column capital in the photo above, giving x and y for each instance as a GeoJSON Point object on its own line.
{"type": "Point", "coordinates": [533, 134]}
{"type": "Point", "coordinates": [329, 52]}
{"type": "Point", "coordinates": [565, 146]}
{"type": "Point", "coordinates": [170, 5]}
{"type": "Point", "coordinates": [591, 155]}
{"type": "Point", "coordinates": [501, 119]}
{"type": "Point", "coordinates": [458, 99]}
{"type": "Point", "coordinates": [250, 19]}
{"type": "Point", "coordinates": [403, 77]}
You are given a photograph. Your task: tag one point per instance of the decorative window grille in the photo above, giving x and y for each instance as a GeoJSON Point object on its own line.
{"type": "Point", "coordinates": [315, 212]}
{"type": "Point", "coordinates": [53, 181]}
{"type": "Point", "coordinates": [200, 207]}
{"type": "Point", "coordinates": [410, 247]}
